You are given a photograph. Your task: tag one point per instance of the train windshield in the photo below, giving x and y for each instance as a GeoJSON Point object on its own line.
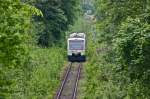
{"type": "Point", "coordinates": [76, 44]}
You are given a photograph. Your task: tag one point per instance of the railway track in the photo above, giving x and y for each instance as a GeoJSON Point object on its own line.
{"type": "Point", "coordinates": [68, 88]}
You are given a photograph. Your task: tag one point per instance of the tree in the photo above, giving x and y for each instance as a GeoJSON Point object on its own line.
{"type": "Point", "coordinates": [14, 28]}
{"type": "Point", "coordinates": [124, 25]}
{"type": "Point", "coordinates": [57, 16]}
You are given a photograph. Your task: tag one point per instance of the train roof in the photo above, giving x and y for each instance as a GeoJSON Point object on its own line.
{"type": "Point", "coordinates": [77, 35]}
{"type": "Point", "coordinates": [76, 38]}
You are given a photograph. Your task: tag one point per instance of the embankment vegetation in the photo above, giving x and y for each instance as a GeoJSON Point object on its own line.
{"type": "Point", "coordinates": [119, 61]}
{"type": "Point", "coordinates": [31, 33]}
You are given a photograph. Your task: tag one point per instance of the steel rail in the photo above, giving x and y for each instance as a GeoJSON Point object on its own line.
{"type": "Point", "coordinates": [64, 81]}
{"type": "Point", "coordinates": [76, 83]}
{"type": "Point", "coordinates": [74, 92]}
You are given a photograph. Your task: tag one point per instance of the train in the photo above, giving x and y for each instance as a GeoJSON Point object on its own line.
{"type": "Point", "coordinates": [76, 45]}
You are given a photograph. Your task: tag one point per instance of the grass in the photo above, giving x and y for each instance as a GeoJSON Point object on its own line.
{"type": "Point", "coordinates": [44, 69]}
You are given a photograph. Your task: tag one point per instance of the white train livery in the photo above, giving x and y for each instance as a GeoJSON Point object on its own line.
{"type": "Point", "coordinates": [76, 47]}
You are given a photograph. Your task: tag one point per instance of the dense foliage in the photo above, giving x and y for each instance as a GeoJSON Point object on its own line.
{"type": "Point", "coordinates": [14, 26]}
{"type": "Point", "coordinates": [28, 71]}
{"type": "Point", "coordinates": [132, 49]}
{"type": "Point", "coordinates": [121, 67]}
{"type": "Point", "coordinates": [43, 73]}
{"type": "Point", "coordinates": [57, 16]}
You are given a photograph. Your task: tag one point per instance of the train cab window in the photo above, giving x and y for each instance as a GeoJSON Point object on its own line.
{"type": "Point", "coordinates": [76, 44]}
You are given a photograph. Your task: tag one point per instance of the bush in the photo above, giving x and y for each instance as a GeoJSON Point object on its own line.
{"type": "Point", "coordinates": [44, 69]}
{"type": "Point", "coordinates": [132, 46]}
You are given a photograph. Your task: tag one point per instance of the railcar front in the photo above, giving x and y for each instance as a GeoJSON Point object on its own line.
{"type": "Point", "coordinates": [76, 50]}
